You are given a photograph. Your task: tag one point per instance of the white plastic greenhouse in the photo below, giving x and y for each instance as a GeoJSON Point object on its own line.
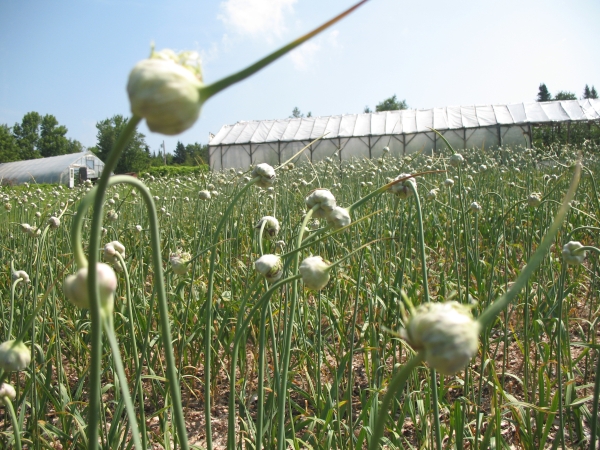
{"type": "Point", "coordinates": [404, 132]}
{"type": "Point", "coordinates": [62, 169]}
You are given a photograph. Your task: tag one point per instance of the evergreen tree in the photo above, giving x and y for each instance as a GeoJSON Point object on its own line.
{"type": "Point", "coordinates": [565, 95]}
{"type": "Point", "coordinates": [180, 156]}
{"type": "Point", "coordinates": [367, 109]}
{"type": "Point", "coordinates": [134, 157]}
{"type": "Point", "coordinates": [391, 104]}
{"type": "Point", "coordinates": [543, 94]}
{"type": "Point", "coordinates": [296, 113]}
{"type": "Point", "coordinates": [52, 140]}
{"type": "Point", "coordinates": [589, 93]}
{"type": "Point", "coordinates": [9, 150]}
{"type": "Point", "coordinates": [196, 154]}
{"type": "Point", "coordinates": [27, 135]}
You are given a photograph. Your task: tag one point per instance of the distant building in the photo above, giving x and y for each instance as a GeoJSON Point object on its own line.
{"type": "Point", "coordinates": [63, 169]}
{"type": "Point", "coordinates": [404, 132]}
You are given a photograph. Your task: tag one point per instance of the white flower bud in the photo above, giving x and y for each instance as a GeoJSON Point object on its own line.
{"type": "Point", "coordinates": [112, 215]}
{"type": "Point", "coordinates": [475, 207]}
{"type": "Point", "coordinates": [110, 254]}
{"type": "Point", "coordinates": [165, 90]}
{"type": "Point", "coordinates": [456, 160]}
{"type": "Point", "coordinates": [271, 227]}
{"type": "Point", "coordinates": [14, 356]}
{"type": "Point", "coordinates": [20, 274]}
{"type": "Point", "coordinates": [54, 222]}
{"type": "Point", "coordinates": [403, 189]}
{"type": "Point", "coordinates": [138, 228]}
{"type": "Point", "coordinates": [266, 174]}
{"type": "Point", "coordinates": [269, 266]}
{"type": "Point", "coordinates": [432, 194]}
{"type": "Point", "coordinates": [179, 262]}
{"type": "Point", "coordinates": [204, 195]}
{"type": "Point", "coordinates": [534, 199]}
{"type": "Point", "coordinates": [75, 287]}
{"type": "Point", "coordinates": [446, 332]}
{"type": "Point", "coordinates": [7, 391]}
{"type": "Point", "coordinates": [338, 218]}
{"type": "Point", "coordinates": [315, 273]}
{"type": "Point", "coordinates": [322, 198]}
{"type": "Point", "coordinates": [572, 253]}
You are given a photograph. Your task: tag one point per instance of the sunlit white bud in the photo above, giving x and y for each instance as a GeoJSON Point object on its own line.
{"type": "Point", "coordinates": [215, 193]}
{"type": "Point", "coordinates": [111, 201]}
{"type": "Point", "coordinates": [475, 207]}
{"type": "Point", "coordinates": [290, 166]}
{"type": "Point", "coordinates": [25, 227]}
{"type": "Point", "coordinates": [432, 194]}
{"type": "Point", "coordinates": [338, 218]}
{"type": "Point", "coordinates": [386, 150]}
{"type": "Point", "coordinates": [315, 273]}
{"type": "Point", "coordinates": [271, 227]}
{"type": "Point", "coordinates": [103, 232]}
{"type": "Point", "coordinates": [456, 160]}
{"type": "Point", "coordinates": [165, 90]}
{"type": "Point", "coordinates": [34, 231]}
{"type": "Point", "coordinates": [210, 186]}
{"type": "Point", "coordinates": [266, 175]}
{"type": "Point", "coordinates": [269, 266]}
{"type": "Point", "coordinates": [14, 356]}
{"type": "Point", "coordinates": [449, 182]}
{"type": "Point", "coordinates": [54, 222]}
{"type": "Point", "coordinates": [7, 391]}
{"type": "Point", "coordinates": [112, 215]}
{"type": "Point", "coordinates": [403, 188]}
{"type": "Point", "coordinates": [110, 254]}
{"type": "Point", "coordinates": [324, 199]}
{"type": "Point", "coordinates": [204, 195]}
{"type": "Point", "coordinates": [20, 274]}
{"type": "Point", "coordinates": [572, 253]}
{"type": "Point", "coordinates": [180, 262]}
{"type": "Point", "coordinates": [76, 291]}
{"type": "Point", "coordinates": [534, 199]}
{"type": "Point", "coordinates": [446, 332]}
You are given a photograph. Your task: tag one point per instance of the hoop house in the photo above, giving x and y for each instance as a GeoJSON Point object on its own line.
{"type": "Point", "coordinates": [55, 169]}
{"type": "Point", "coordinates": [404, 132]}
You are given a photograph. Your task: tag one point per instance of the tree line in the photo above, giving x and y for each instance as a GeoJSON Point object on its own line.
{"type": "Point", "coordinates": [38, 136]}
{"type": "Point", "coordinates": [544, 94]}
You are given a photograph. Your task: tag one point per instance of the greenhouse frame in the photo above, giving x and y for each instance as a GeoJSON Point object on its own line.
{"type": "Point", "coordinates": [403, 132]}
{"type": "Point", "coordinates": [63, 169]}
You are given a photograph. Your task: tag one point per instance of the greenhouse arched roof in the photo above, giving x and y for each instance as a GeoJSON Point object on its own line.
{"type": "Point", "coordinates": [406, 121]}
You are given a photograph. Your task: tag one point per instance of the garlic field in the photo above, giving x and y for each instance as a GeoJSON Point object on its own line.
{"type": "Point", "coordinates": [335, 305]}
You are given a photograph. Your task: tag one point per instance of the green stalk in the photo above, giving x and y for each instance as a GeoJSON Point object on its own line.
{"type": "Point", "coordinates": [491, 312]}
{"type": "Point", "coordinates": [287, 343]}
{"type": "Point", "coordinates": [395, 386]}
{"type": "Point", "coordinates": [208, 312]}
{"type": "Point", "coordinates": [434, 386]}
{"type": "Point", "coordinates": [15, 423]}
{"type": "Point", "coordinates": [94, 406]}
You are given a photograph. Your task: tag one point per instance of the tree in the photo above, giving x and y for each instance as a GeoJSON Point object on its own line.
{"type": "Point", "coordinates": [297, 114]}
{"type": "Point", "coordinates": [367, 109]}
{"type": "Point", "coordinates": [565, 95]}
{"type": "Point", "coordinates": [52, 140]}
{"type": "Point", "coordinates": [543, 94]}
{"type": "Point", "coordinates": [9, 150]}
{"type": "Point", "coordinates": [391, 104]}
{"type": "Point", "coordinates": [74, 146]}
{"type": "Point", "coordinates": [180, 155]}
{"type": "Point", "coordinates": [27, 135]}
{"type": "Point", "coordinates": [134, 157]}
{"type": "Point", "coordinates": [196, 154]}
{"type": "Point", "coordinates": [590, 93]}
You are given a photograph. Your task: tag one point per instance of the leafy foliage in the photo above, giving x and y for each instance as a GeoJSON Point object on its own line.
{"type": "Point", "coordinates": [565, 95]}
{"type": "Point", "coordinates": [544, 94]}
{"type": "Point", "coordinates": [391, 104]}
{"type": "Point", "coordinates": [135, 157]}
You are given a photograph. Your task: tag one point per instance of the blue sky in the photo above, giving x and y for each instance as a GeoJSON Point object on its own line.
{"type": "Point", "coordinates": [71, 58]}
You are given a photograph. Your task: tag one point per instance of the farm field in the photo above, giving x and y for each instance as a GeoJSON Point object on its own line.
{"type": "Point", "coordinates": [297, 352]}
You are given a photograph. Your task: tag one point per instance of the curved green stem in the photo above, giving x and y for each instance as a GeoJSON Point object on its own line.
{"type": "Point", "coordinates": [94, 407]}
{"type": "Point", "coordinates": [395, 386]}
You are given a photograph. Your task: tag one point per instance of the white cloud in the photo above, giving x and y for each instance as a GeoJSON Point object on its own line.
{"type": "Point", "coordinates": [304, 56]}
{"type": "Point", "coordinates": [256, 17]}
